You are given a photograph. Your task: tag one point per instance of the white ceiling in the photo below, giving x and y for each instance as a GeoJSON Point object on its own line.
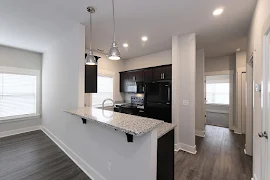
{"type": "Point", "coordinates": [35, 24]}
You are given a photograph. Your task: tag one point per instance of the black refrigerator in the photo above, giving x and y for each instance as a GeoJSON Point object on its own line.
{"type": "Point", "coordinates": [157, 101]}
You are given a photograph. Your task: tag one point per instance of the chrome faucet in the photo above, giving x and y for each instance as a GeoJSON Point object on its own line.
{"type": "Point", "coordinates": [103, 103]}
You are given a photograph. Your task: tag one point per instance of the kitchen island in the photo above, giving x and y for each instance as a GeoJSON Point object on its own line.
{"type": "Point", "coordinates": [136, 126]}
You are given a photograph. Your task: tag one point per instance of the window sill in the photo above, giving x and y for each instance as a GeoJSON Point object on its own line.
{"type": "Point", "coordinates": [19, 118]}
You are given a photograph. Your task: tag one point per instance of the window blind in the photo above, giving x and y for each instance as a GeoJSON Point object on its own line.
{"type": "Point", "coordinates": [218, 93]}
{"type": "Point", "coordinates": [17, 95]}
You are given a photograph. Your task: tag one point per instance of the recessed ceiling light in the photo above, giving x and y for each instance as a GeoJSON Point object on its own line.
{"type": "Point", "coordinates": [238, 49]}
{"type": "Point", "coordinates": [144, 38]}
{"type": "Point", "coordinates": [218, 11]}
{"type": "Point", "coordinates": [125, 44]}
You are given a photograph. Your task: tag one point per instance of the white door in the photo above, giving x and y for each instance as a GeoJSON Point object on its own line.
{"type": "Point", "coordinates": [267, 123]}
{"type": "Point", "coordinates": [243, 102]}
{"type": "Point", "coordinates": [266, 111]}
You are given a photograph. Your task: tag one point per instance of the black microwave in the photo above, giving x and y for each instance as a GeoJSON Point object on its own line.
{"type": "Point", "coordinates": [134, 87]}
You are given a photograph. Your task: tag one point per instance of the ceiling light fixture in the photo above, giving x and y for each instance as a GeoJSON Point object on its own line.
{"type": "Point", "coordinates": [144, 38]}
{"type": "Point", "coordinates": [125, 44]}
{"type": "Point", "coordinates": [237, 50]}
{"type": "Point", "coordinates": [218, 11]}
{"type": "Point", "coordinates": [114, 53]}
{"type": "Point", "coordinates": [90, 58]}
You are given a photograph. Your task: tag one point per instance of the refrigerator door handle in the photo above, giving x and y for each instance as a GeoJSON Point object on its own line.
{"type": "Point", "coordinates": [169, 94]}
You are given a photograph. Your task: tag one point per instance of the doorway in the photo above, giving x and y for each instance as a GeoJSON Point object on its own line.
{"type": "Point", "coordinates": [217, 100]}
{"type": "Point", "coordinates": [223, 101]}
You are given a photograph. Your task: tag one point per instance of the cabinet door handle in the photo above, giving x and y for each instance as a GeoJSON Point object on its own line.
{"type": "Point", "coordinates": [161, 76]}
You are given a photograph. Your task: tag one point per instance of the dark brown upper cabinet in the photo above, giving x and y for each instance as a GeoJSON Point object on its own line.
{"type": "Point", "coordinates": [136, 76]}
{"type": "Point", "coordinates": [162, 73]}
{"type": "Point", "coordinates": [148, 75]}
{"type": "Point", "coordinates": [131, 78]}
{"type": "Point", "coordinates": [91, 77]}
{"type": "Point", "coordinates": [123, 81]}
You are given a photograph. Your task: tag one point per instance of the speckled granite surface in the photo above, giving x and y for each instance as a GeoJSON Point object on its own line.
{"type": "Point", "coordinates": [130, 124]}
{"type": "Point", "coordinates": [164, 128]}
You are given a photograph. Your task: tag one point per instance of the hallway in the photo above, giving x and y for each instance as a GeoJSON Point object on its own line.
{"type": "Point", "coordinates": [220, 156]}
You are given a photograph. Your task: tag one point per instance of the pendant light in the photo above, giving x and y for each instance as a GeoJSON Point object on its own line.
{"type": "Point", "coordinates": [114, 53]}
{"type": "Point", "coordinates": [90, 58]}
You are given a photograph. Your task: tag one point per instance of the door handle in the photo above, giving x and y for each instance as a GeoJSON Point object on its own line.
{"type": "Point", "coordinates": [163, 75]}
{"type": "Point", "coordinates": [264, 134]}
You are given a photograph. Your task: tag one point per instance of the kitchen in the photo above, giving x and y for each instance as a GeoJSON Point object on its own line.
{"type": "Point", "coordinates": [135, 89]}
{"type": "Point", "coordinates": [118, 95]}
{"type": "Point", "coordinates": [149, 91]}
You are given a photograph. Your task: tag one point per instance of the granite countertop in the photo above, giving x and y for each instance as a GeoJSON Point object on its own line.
{"type": "Point", "coordinates": [130, 124]}
{"type": "Point", "coordinates": [164, 128]}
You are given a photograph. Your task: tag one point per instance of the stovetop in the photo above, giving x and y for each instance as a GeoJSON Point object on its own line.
{"type": "Point", "coordinates": [136, 102]}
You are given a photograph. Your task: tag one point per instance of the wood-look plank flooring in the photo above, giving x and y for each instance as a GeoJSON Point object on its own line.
{"type": "Point", "coordinates": [220, 156]}
{"type": "Point", "coordinates": [33, 156]}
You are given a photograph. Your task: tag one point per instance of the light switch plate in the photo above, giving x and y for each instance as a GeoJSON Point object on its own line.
{"type": "Point", "coordinates": [185, 102]}
{"type": "Point", "coordinates": [258, 87]}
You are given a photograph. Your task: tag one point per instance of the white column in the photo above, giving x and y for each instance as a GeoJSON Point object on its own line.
{"type": "Point", "coordinates": [183, 91]}
{"type": "Point", "coordinates": [200, 94]}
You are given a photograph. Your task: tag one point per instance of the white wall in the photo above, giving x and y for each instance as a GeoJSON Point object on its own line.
{"type": "Point", "coordinates": [183, 88]}
{"type": "Point", "coordinates": [92, 144]}
{"type": "Point", "coordinates": [220, 64]}
{"type": "Point", "coordinates": [260, 17]}
{"type": "Point", "coordinates": [200, 102]}
{"type": "Point", "coordinates": [241, 59]}
{"type": "Point", "coordinates": [157, 59]}
{"type": "Point", "coordinates": [13, 57]}
{"type": "Point", "coordinates": [240, 69]}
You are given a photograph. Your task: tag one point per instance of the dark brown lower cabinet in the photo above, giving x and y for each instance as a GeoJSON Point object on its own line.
{"type": "Point", "coordinates": [165, 157]}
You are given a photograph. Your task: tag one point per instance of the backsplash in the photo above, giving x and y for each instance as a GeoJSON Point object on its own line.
{"type": "Point", "coordinates": [127, 96]}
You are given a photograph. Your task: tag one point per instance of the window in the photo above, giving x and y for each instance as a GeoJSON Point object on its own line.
{"type": "Point", "coordinates": [104, 90]}
{"type": "Point", "coordinates": [218, 93]}
{"type": "Point", "coordinates": [18, 93]}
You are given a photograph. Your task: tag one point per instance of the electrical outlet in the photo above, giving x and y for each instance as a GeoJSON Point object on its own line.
{"type": "Point", "coordinates": [185, 102]}
{"type": "Point", "coordinates": [109, 167]}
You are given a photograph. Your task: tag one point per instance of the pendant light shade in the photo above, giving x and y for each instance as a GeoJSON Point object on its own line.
{"type": "Point", "coordinates": [90, 58]}
{"type": "Point", "coordinates": [114, 53]}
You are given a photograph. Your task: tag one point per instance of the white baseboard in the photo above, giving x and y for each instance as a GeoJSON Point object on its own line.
{"type": "Point", "coordinates": [237, 131]}
{"type": "Point", "coordinates": [254, 177]}
{"type": "Point", "coordinates": [185, 147]}
{"type": "Point", "coordinates": [19, 131]}
{"type": "Point", "coordinates": [86, 168]}
{"type": "Point", "coordinates": [200, 133]}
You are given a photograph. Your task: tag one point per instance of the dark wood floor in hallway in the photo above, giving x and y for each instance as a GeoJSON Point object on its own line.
{"type": "Point", "coordinates": [33, 156]}
{"type": "Point", "coordinates": [220, 156]}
